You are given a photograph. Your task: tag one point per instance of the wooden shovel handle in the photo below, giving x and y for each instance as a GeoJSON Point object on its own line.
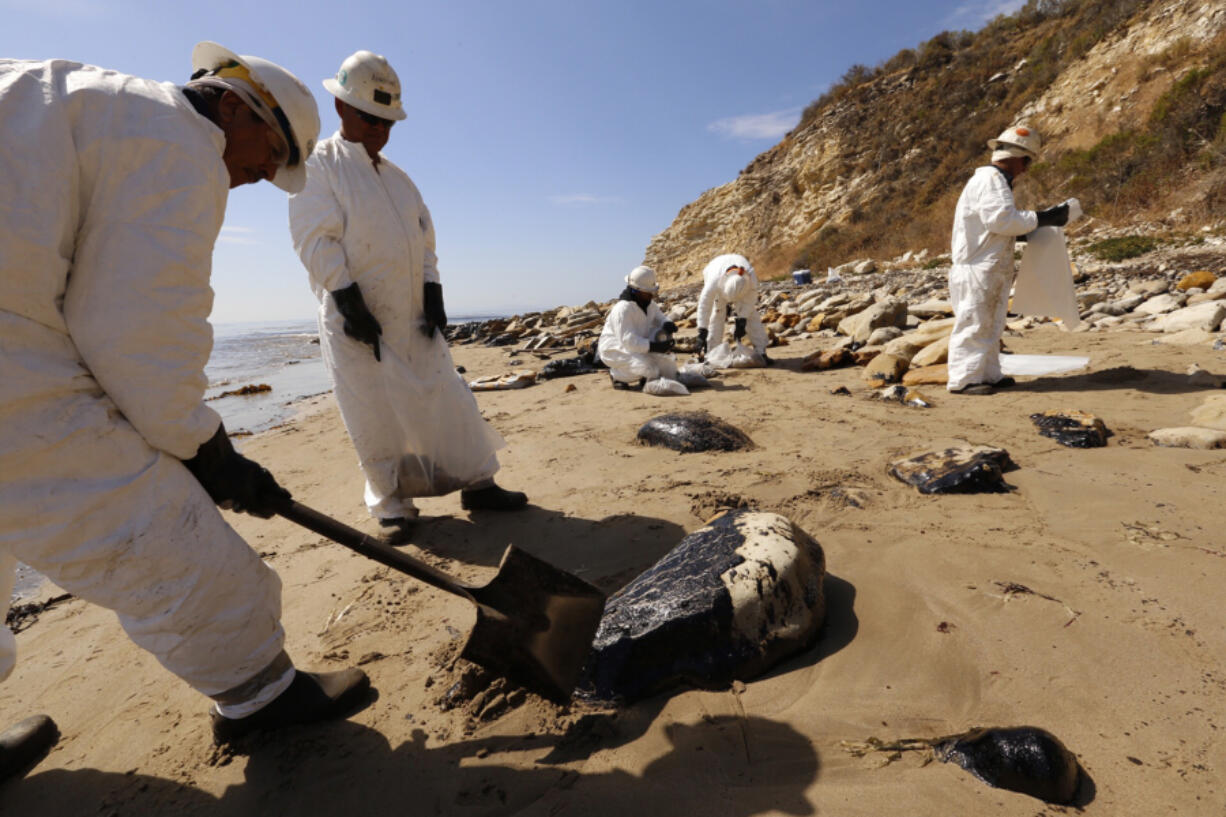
{"type": "Point", "coordinates": [371, 548]}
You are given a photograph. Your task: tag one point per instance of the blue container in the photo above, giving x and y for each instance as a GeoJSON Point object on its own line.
{"type": "Point", "coordinates": [802, 276]}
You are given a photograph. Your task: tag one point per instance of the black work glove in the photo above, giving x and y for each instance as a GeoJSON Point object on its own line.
{"type": "Point", "coordinates": [669, 327]}
{"type": "Point", "coordinates": [233, 481]}
{"type": "Point", "coordinates": [661, 346]}
{"type": "Point", "coordinates": [359, 323]}
{"type": "Point", "coordinates": [702, 340]}
{"type": "Point", "coordinates": [1054, 216]}
{"type": "Point", "coordinates": [739, 331]}
{"type": "Point", "coordinates": [432, 305]}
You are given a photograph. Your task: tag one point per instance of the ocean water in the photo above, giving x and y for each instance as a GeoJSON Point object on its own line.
{"type": "Point", "coordinates": [281, 354]}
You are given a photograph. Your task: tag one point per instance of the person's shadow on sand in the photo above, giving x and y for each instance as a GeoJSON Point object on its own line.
{"type": "Point", "coordinates": [742, 766]}
{"type": "Point", "coordinates": [1151, 381]}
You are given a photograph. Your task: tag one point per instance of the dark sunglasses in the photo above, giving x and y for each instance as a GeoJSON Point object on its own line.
{"type": "Point", "coordinates": [371, 119]}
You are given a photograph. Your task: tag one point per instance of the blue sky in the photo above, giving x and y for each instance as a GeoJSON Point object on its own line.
{"type": "Point", "coordinates": [551, 140]}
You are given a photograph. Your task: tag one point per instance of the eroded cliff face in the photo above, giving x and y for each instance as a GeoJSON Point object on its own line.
{"type": "Point", "coordinates": [857, 162]}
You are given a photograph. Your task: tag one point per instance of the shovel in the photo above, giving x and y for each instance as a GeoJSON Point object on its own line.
{"type": "Point", "coordinates": [535, 623]}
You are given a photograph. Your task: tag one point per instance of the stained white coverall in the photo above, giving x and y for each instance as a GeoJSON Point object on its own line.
{"type": "Point", "coordinates": [713, 304]}
{"type": "Point", "coordinates": [986, 223]}
{"type": "Point", "coordinates": [625, 342]}
{"type": "Point", "coordinates": [414, 422]}
{"type": "Point", "coordinates": [112, 193]}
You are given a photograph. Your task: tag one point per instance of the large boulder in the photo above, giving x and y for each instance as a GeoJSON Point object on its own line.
{"type": "Point", "coordinates": [932, 354]}
{"type": "Point", "coordinates": [1211, 413]}
{"type": "Point", "coordinates": [1201, 279]}
{"type": "Point", "coordinates": [1188, 437]}
{"type": "Point", "coordinates": [1207, 316]}
{"type": "Point", "coordinates": [936, 375]}
{"type": "Point", "coordinates": [1160, 304]}
{"type": "Point", "coordinates": [728, 603]}
{"type": "Point", "coordinates": [890, 312]}
{"type": "Point", "coordinates": [884, 368]}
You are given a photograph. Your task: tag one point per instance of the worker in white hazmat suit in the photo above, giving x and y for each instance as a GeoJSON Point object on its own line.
{"type": "Point", "coordinates": [986, 224]}
{"type": "Point", "coordinates": [366, 239]}
{"type": "Point", "coordinates": [636, 340]}
{"type": "Point", "coordinates": [730, 285]}
{"type": "Point", "coordinates": [112, 193]}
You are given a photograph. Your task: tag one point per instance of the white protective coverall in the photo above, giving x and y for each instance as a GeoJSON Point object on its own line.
{"type": "Point", "coordinates": [625, 342]}
{"type": "Point", "coordinates": [986, 223]}
{"type": "Point", "coordinates": [713, 304]}
{"type": "Point", "coordinates": [414, 422]}
{"type": "Point", "coordinates": [113, 193]}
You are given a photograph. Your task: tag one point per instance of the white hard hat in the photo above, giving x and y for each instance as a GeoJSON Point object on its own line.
{"type": "Point", "coordinates": [643, 279]}
{"type": "Point", "coordinates": [1022, 137]}
{"type": "Point", "coordinates": [367, 82]}
{"type": "Point", "coordinates": [291, 105]}
{"type": "Point", "coordinates": [733, 286]}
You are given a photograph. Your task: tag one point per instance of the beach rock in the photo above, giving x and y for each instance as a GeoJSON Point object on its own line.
{"type": "Point", "coordinates": [494, 382]}
{"type": "Point", "coordinates": [932, 354]}
{"type": "Point", "coordinates": [1024, 759]}
{"type": "Point", "coordinates": [931, 309]}
{"type": "Point", "coordinates": [1187, 337]}
{"type": "Point", "coordinates": [1211, 413]}
{"type": "Point", "coordinates": [1207, 316]}
{"type": "Point", "coordinates": [691, 431]}
{"type": "Point", "coordinates": [885, 369]}
{"type": "Point", "coordinates": [1188, 437]}
{"type": "Point", "coordinates": [730, 601]}
{"type": "Point", "coordinates": [1201, 279]}
{"type": "Point", "coordinates": [1149, 289]}
{"type": "Point", "coordinates": [865, 354]}
{"type": "Point", "coordinates": [1076, 429]}
{"type": "Point", "coordinates": [864, 267]}
{"type": "Point", "coordinates": [826, 359]}
{"type": "Point", "coordinates": [890, 312]}
{"type": "Point", "coordinates": [883, 335]}
{"type": "Point", "coordinates": [936, 375]}
{"type": "Point", "coordinates": [969, 469]}
{"type": "Point", "coordinates": [1160, 304]}
{"type": "Point", "coordinates": [904, 346]}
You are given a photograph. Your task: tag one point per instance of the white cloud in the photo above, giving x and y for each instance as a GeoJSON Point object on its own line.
{"type": "Point", "coordinates": [973, 16]}
{"type": "Point", "coordinates": [237, 235]}
{"type": "Point", "coordinates": [749, 127]}
{"type": "Point", "coordinates": [583, 199]}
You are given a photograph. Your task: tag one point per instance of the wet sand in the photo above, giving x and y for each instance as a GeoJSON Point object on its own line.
{"type": "Point", "coordinates": [1117, 651]}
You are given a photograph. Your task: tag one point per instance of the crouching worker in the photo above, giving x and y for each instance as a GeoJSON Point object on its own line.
{"type": "Point", "coordinates": [636, 341]}
{"type": "Point", "coordinates": [730, 286]}
{"type": "Point", "coordinates": [111, 464]}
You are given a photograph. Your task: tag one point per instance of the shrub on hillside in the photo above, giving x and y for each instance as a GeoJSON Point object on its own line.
{"type": "Point", "coordinates": [1118, 249]}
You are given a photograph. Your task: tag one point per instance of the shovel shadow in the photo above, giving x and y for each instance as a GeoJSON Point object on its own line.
{"type": "Point", "coordinates": [607, 552]}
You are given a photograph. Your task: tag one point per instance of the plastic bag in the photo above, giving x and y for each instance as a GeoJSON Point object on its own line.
{"type": "Point", "coordinates": [695, 375]}
{"type": "Point", "coordinates": [662, 387]}
{"type": "Point", "coordinates": [735, 356]}
{"type": "Point", "coordinates": [1045, 279]}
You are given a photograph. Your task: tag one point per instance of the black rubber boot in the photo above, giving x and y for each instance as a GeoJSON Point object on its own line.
{"type": "Point", "coordinates": [976, 389]}
{"type": "Point", "coordinates": [1004, 383]}
{"type": "Point", "coordinates": [24, 744]}
{"type": "Point", "coordinates": [310, 697]}
{"type": "Point", "coordinates": [492, 498]}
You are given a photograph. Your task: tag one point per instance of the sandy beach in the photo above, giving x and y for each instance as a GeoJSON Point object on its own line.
{"type": "Point", "coordinates": [1117, 649]}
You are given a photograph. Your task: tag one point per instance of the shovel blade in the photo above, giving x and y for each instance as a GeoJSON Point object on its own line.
{"type": "Point", "coordinates": [535, 625]}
